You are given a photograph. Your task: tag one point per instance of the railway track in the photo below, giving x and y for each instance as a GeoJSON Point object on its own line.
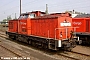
{"type": "Point", "coordinates": [7, 49]}
{"type": "Point", "coordinates": [70, 55]}
{"type": "Point", "coordinates": [3, 35]}
{"type": "Point", "coordinates": [80, 53]}
{"type": "Point", "coordinates": [75, 55]}
{"type": "Point", "coordinates": [72, 58]}
{"type": "Point", "coordinates": [18, 55]}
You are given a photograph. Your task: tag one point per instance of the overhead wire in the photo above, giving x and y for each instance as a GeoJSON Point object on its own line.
{"type": "Point", "coordinates": [7, 3]}
{"type": "Point", "coordinates": [15, 7]}
{"type": "Point", "coordinates": [32, 1]}
{"type": "Point", "coordinates": [54, 5]}
{"type": "Point", "coordinates": [63, 6]}
{"type": "Point", "coordinates": [78, 6]}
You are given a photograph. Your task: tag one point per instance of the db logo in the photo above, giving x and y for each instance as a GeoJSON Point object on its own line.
{"type": "Point", "coordinates": [77, 23]}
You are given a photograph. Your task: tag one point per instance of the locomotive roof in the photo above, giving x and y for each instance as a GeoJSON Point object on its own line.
{"type": "Point", "coordinates": [53, 15]}
{"type": "Point", "coordinates": [32, 12]}
{"type": "Point", "coordinates": [83, 16]}
{"type": "Point", "coordinates": [40, 14]}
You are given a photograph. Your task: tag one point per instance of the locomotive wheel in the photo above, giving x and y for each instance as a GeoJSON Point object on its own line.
{"type": "Point", "coordinates": [69, 49]}
{"type": "Point", "coordinates": [29, 42]}
{"type": "Point", "coordinates": [46, 46]}
{"type": "Point", "coordinates": [42, 45]}
{"type": "Point", "coordinates": [33, 43]}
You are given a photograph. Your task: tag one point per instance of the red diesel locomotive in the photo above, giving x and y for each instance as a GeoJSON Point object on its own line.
{"type": "Point", "coordinates": [52, 31]}
{"type": "Point", "coordinates": [83, 31]}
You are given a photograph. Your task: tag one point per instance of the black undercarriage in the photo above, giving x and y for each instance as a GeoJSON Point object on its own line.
{"type": "Point", "coordinates": [47, 43]}
{"type": "Point", "coordinates": [85, 37]}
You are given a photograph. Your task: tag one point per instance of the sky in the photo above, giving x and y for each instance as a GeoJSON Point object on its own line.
{"type": "Point", "coordinates": [10, 7]}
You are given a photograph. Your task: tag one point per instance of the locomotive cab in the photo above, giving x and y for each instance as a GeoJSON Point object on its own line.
{"type": "Point", "coordinates": [32, 14]}
{"type": "Point", "coordinates": [25, 16]}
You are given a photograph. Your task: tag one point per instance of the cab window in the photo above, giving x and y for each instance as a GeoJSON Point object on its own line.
{"type": "Point", "coordinates": [23, 16]}
{"type": "Point", "coordinates": [32, 15]}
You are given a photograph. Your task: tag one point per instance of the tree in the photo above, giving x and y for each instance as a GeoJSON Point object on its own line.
{"type": "Point", "coordinates": [9, 18]}
{"type": "Point", "coordinates": [4, 20]}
